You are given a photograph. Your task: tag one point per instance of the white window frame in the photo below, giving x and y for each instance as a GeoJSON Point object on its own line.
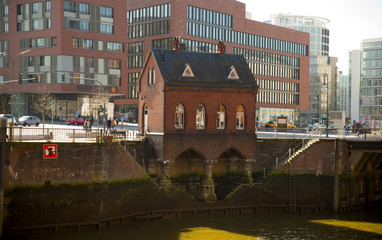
{"type": "Point", "coordinates": [200, 117]}
{"type": "Point", "coordinates": [220, 117]}
{"type": "Point", "coordinates": [240, 120]}
{"type": "Point", "coordinates": [179, 116]}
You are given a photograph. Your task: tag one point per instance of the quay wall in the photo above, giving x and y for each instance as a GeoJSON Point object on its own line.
{"type": "Point", "coordinates": [93, 183]}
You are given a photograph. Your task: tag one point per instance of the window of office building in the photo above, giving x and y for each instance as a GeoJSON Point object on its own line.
{"type": "Point", "coordinates": [114, 47]}
{"type": "Point", "coordinates": [47, 6]}
{"type": "Point", "coordinates": [219, 27]}
{"type": "Point", "coordinates": [106, 12]}
{"type": "Point", "coordinates": [69, 6]}
{"type": "Point", "coordinates": [5, 11]}
{"type": "Point", "coordinates": [114, 64]}
{"type": "Point", "coordinates": [135, 55]}
{"type": "Point", "coordinates": [132, 92]}
{"type": "Point", "coordinates": [165, 43]}
{"type": "Point", "coordinates": [149, 21]}
{"type": "Point", "coordinates": [84, 8]}
{"type": "Point", "coordinates": [107, 28]}
{"type": "Point", "coordinates": [35, 7]}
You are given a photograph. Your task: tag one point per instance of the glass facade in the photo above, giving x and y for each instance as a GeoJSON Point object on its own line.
{"type": "Point", "coordinates": [149, 21]}
{"type": "Point", "coordinates": [218, 26]}
{"type": "Point", "coordinates": [97, 45]}
{"type": "Point", "coordinates": [86, 17]}
{"type": "Point", "coordinates": [135, 55]}
{"type": "Point", "coordinates": [371, 82]}
{"type": "Point", "coordinates": [315, 26]}
{"type": "Point", "coordinates": [39, 19]}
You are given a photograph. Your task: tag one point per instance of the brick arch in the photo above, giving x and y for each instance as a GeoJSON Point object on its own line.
{"type": "Point", "coordinates": [231, 160]}
{"type": "Point", "coordinates": [190, 161]}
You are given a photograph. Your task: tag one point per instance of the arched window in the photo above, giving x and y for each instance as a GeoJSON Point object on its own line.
{"type": "Point", "coordinates": [149, 77]}
{"type": "Point", "coordinates": [200, 117]}
{"type": "Point", "coordinates": [153, 76]}
{"type": "Point", "coordinates": [240, 117]}
{"type": "Point", "coordinates": [220, 117]}
{"type": "Point", "coordinates": [179, 116]}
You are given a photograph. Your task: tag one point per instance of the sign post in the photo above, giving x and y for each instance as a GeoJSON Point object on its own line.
{"type": "Point", "coordinates": [50, 151]}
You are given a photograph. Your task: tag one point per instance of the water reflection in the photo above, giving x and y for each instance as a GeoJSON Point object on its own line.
{"type": "Point", "coordinates": [361, 226]}
{"type": "Point", "coordinates": [235, 228]}
{"type": "Point", "coordinates": [206, 233]}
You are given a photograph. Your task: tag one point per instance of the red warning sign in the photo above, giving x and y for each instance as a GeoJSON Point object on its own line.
{"type": "Point", "coordinates": [50, 151]}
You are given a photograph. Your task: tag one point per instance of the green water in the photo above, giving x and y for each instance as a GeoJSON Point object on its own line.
{"type": "Point", "coordinates": [356, 226]}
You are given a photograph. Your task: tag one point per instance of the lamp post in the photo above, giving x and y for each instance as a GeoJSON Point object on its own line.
{"type": "Point", "coordinates": [12, 62]}
{"type": "Point", "coordinates": [327, 104]}
{"type": "Point", "coordinates": [12, 70]}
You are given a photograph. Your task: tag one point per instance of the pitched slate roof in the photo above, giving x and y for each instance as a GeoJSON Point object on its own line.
{"type": "Point", "coordinates": [209, 69]}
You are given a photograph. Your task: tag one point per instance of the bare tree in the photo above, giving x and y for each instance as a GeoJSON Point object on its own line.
{"type": "Point", "coordinates": [5, 103]}
{"type": "Point", "coordinates": [98, 95]}
{"type": "Point", "coordinates": [43, 103]}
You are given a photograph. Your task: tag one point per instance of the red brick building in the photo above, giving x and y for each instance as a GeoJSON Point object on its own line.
{"type": "Point", "coordinates": [198, 112]}
{"type": "Point", "coordinates": [278, 57]}
{"type": "Point", "coordinates": [109, 40]}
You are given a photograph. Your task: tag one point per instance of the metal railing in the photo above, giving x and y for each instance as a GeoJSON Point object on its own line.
{"type": "Point", "coordinates": [25, 134]}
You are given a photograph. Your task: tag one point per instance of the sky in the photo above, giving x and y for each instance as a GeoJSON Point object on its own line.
{"type": "Point", "coordinates": [351, 21]}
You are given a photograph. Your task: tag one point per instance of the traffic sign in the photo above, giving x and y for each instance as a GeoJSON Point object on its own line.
{"type": "Point", "coordinates": [50, 151]}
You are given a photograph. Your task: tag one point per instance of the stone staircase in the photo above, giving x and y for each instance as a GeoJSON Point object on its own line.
{"type": "Point", "coordinates": [302, 149]}
{"type": "Point", "coordinates": [225, 190]}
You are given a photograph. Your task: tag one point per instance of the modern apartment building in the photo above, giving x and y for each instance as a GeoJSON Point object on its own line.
{"type": "Point", "coordinates": [315, 26]}
{"type": "Point", "coordinates": [320, 64]}
{"type": "Point", "coordinates": [105, 43]}
{"type": "Point", "coordinates": [355, 81]}
{"type": "Point", "coordinates": [343, 94]}
{"type": "Point", "coordinates": [70, 46]}
{"type": "Point", "coordinates": [371, 82]}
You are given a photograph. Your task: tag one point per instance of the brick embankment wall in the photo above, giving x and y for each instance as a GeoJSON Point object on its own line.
{"type": "Point", "coordinates": [76, 163]}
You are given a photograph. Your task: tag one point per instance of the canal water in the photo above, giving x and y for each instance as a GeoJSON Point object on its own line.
{"type": "Point", "coordinates": [357, 226]}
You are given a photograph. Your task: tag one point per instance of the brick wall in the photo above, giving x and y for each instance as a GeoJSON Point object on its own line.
{"type": "Point", "coordinates": [76, 163]}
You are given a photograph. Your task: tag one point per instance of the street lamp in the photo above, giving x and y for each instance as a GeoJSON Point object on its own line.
{"type": "Point", "coordinates": [327, 103]}
{"type": "Point", "coordinates": [12, 70]}
{"type": "Point", "coordinates": [12, 62]}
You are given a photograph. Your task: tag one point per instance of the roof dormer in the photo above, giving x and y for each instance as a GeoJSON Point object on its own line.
{"type": "Point", "coordinates": [188, 71]}
{"type": "Point", "coordinates": [233, 74]}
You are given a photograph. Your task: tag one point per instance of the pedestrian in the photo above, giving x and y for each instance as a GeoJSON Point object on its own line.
{"type": "Point", "coordinates": [113, 124]}
{"type": "Point", "coordinates": [347, 129]}
{"type": "Point", "coordinates": [109, 123]}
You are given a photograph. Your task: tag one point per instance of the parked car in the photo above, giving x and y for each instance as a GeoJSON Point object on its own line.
{"type": "Point", "coordinates": [307, 126]}
{"type": "Point", "coordinates": [271, 124]}
{"type": "Point", "coordinates": [28, 120]}
{"type": "Point", "coordinates": [290, 125]}
{"type": "Point", "coordinates": [76, 121]}
{"type": "Point", "coordinates": [9, 118]}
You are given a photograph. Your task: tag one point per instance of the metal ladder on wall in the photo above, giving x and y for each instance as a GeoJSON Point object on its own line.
{"type": "Point", "coordinates": [292, 188]}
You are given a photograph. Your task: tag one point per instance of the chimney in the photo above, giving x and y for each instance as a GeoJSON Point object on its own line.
{"type": "Point", "coordinates": [221, 47]}
{"type": "Point", "coordinates": [175, 44]}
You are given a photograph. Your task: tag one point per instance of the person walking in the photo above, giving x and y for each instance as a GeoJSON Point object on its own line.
{"type": "Point", "coordinates": [347, 129]}
{"type": "Point", "coordinates": [109, 123]}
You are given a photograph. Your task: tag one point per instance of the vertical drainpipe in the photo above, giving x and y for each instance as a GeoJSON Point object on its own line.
{"type": "Point", "coordinates": [3, 132]}
{"type": "Point", "coordinates": [336, 175]}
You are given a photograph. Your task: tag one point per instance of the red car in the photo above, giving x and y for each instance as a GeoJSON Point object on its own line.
{"type": "Point", "coordinates": [76, 121]}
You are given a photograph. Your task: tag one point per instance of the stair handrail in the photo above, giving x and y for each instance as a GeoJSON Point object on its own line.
{"type": "Point", "coordinates": [288, 147]}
